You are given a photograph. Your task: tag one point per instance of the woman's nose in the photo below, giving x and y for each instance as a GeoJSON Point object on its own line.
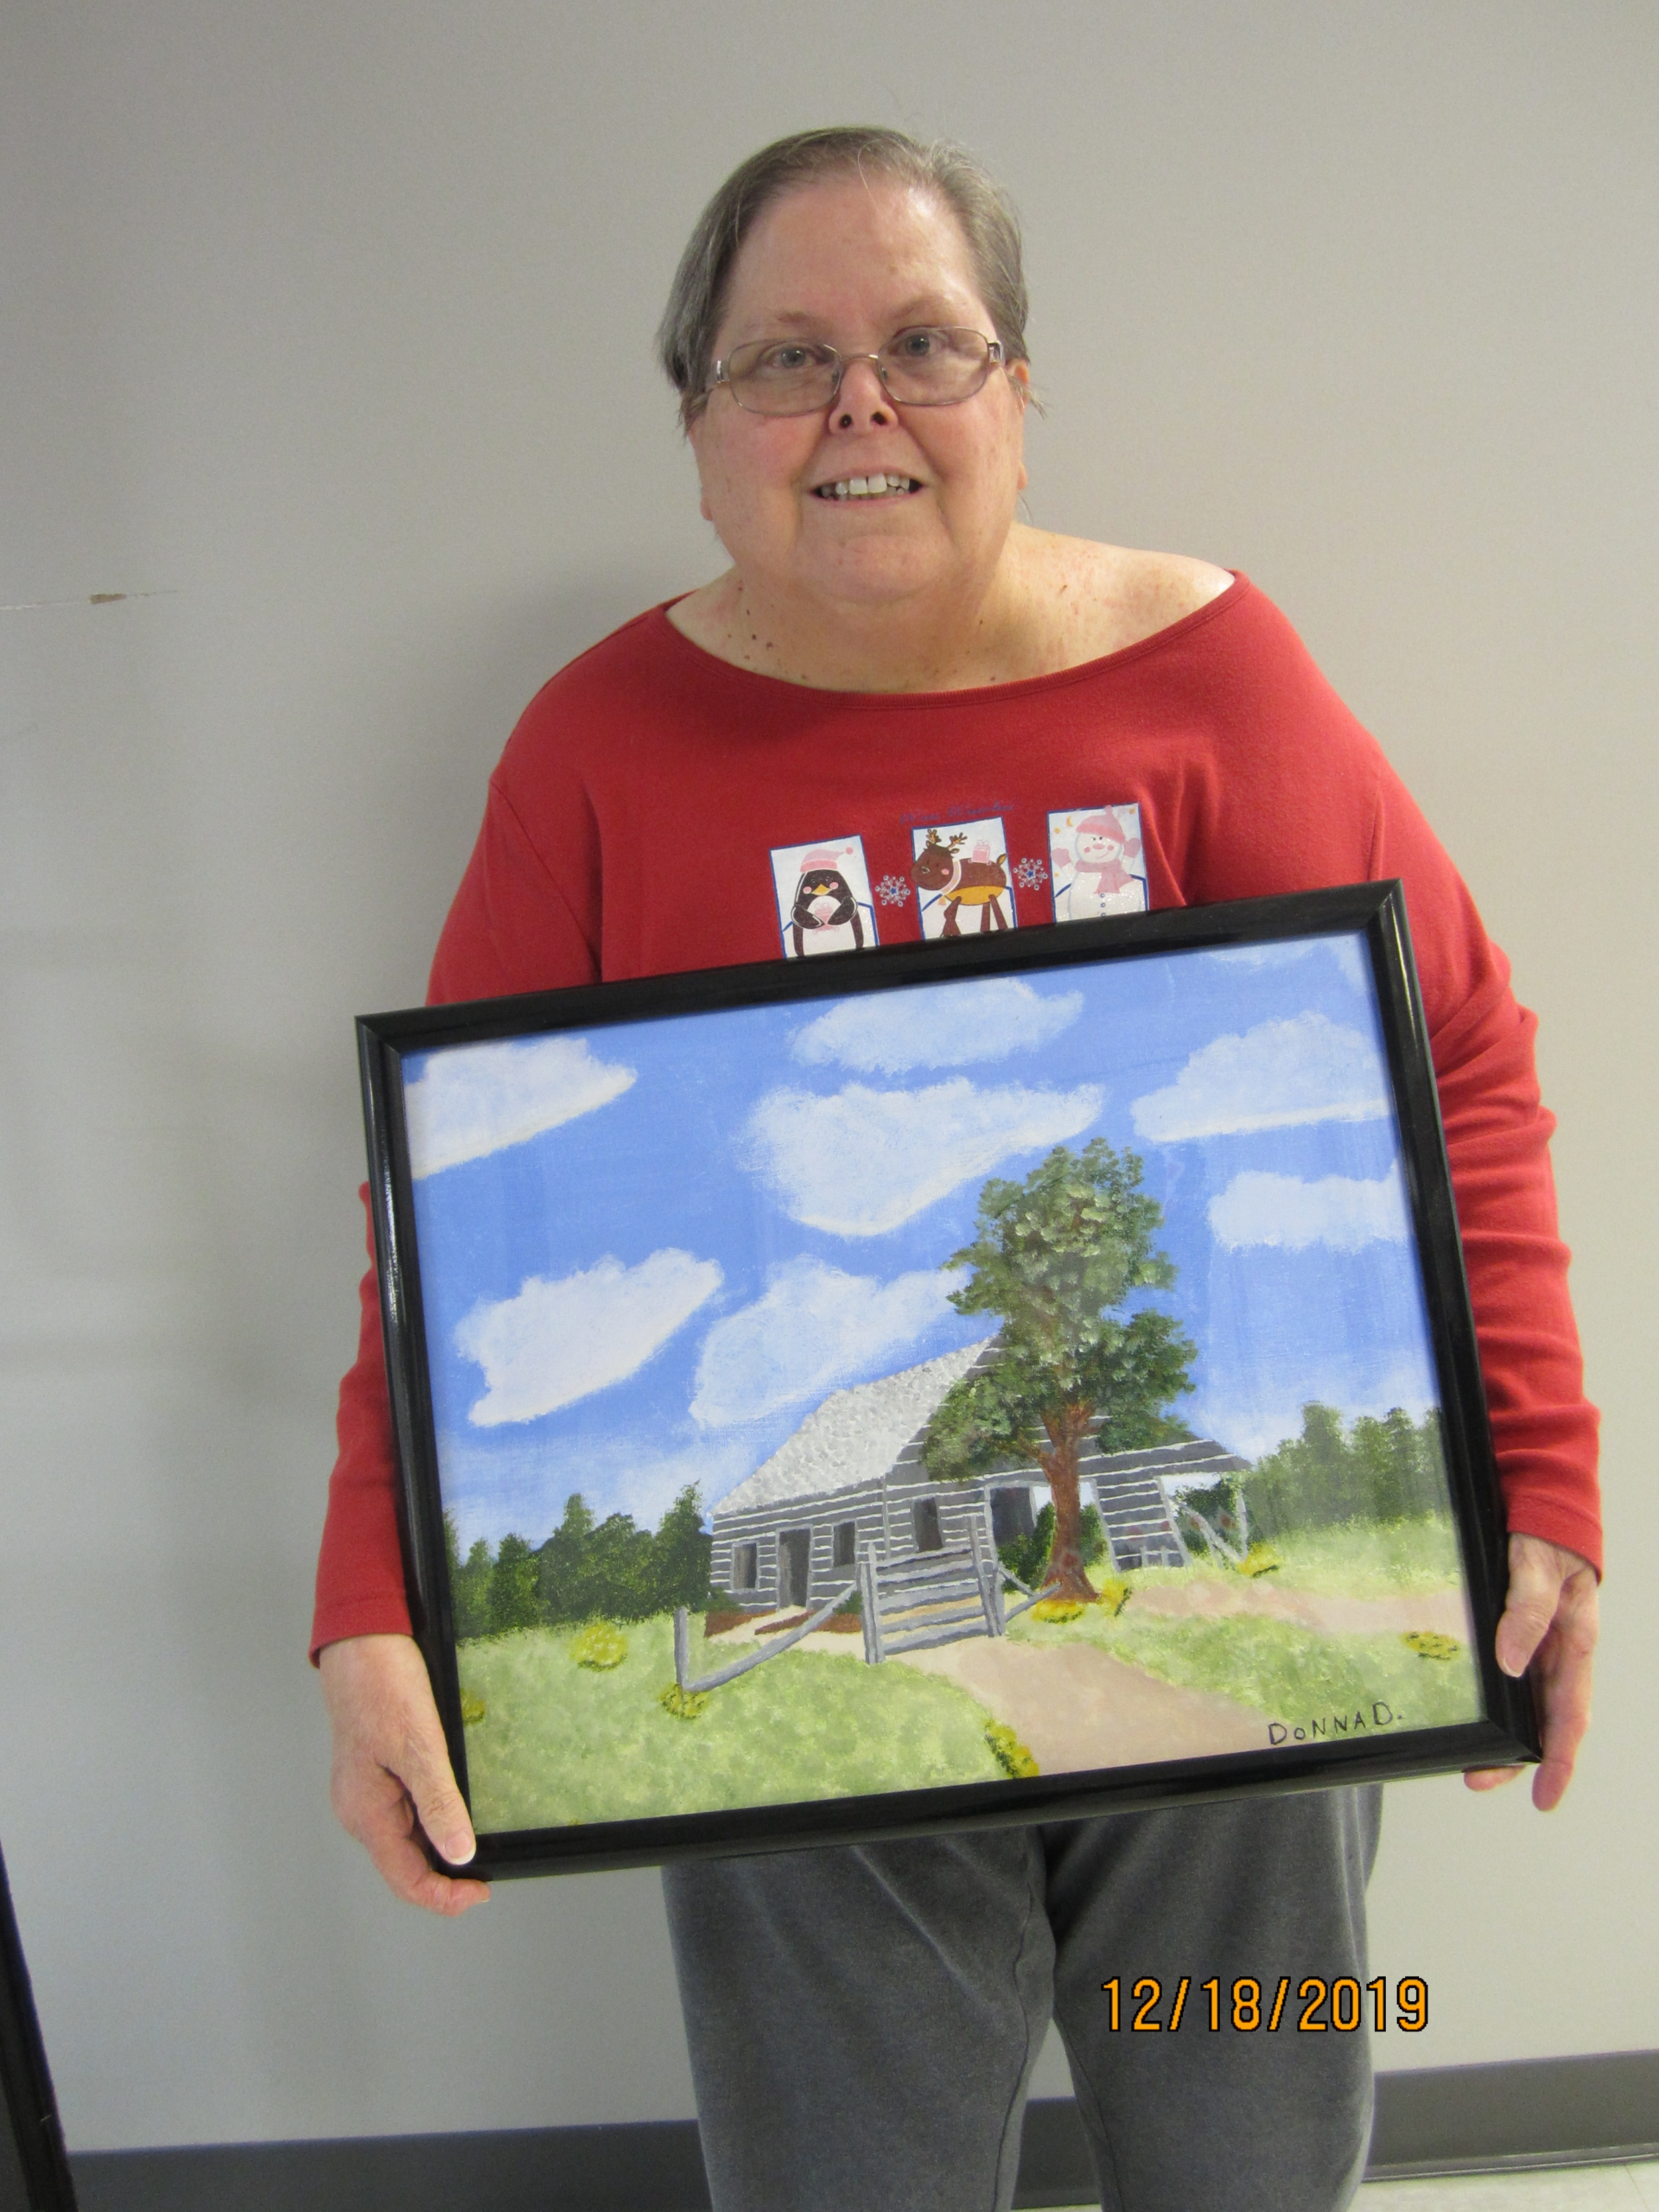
{"type": "Point", "coordinates": [863, 401]}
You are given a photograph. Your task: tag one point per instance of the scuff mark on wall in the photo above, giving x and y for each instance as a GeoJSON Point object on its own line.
{"type": "Point", "coordinates": [92, 599]}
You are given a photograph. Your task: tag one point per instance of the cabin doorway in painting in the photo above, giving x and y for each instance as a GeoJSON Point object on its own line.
{"type": "Point", "coordinates": [1012, 1519]}
{"type": "Point", "coordinates": [794, 1559]}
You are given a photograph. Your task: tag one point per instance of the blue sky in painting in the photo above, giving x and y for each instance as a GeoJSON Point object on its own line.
{"type": "Point", "coordinates": [650, 1250]}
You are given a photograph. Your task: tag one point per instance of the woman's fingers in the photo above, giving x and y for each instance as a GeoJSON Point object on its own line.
{"type": "Point", "coordinates": [1549, 1625]}
{"type": "Point", "coordinates": [391, 1778]}
{"type": "Point", "coordinates": [1492, 1778]}
{"type": "Point", "coordinates": [1562, 1672]}
{"type": "Point", "coordinates": [1537, 1571]}
{"type": "Point", "coordinates": [374, 1807]}
{"type": "Point", "coordinates": [440, 1808]}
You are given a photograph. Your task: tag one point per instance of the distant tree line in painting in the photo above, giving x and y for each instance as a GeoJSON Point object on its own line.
{"type": "Point", "coordinates": [587, 1570]}
{"type": "Point", "coordinates": [1386, 1470]}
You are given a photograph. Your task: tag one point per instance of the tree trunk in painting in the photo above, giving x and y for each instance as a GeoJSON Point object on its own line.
{"type": "Point", "coordinates": [1066, 1575]}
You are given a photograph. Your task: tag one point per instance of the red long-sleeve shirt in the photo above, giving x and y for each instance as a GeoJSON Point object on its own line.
{"type": "Point", "coordinates": [629, 832]}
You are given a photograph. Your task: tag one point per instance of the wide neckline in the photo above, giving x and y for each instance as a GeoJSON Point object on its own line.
{"type": "Point", "coordinates": [1080, 672]}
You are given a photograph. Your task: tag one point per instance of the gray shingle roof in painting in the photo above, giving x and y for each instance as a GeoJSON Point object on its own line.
{"type": "Point", "coordinates": [1201, 1461]}
{"type": "Point", "coordinates": [853, 1436]}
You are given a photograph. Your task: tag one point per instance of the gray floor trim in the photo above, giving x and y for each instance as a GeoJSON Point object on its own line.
{"type": "Point", "coordinates": [1538, 2111]}
{"type": "Point", "coordinates": [1545, 2112]}
{"type": "Point", "coordinates": [653, 2166]}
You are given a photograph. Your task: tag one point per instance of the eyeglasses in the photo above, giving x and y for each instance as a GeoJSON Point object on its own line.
{"type": "Point", "coordinates": [922, 367]}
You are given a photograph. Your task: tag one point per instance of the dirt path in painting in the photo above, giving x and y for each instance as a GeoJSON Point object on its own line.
{"type": "Point", "coordinates": [1440, 1610]}
{"type": "Point", "coordinates": [1075, 1706]}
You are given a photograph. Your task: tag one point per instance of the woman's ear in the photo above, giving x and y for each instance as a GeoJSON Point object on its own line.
{"type": "Point", "coordinates": [1019, 378]}
{"type": "Point", "coordinates": [693, 430]}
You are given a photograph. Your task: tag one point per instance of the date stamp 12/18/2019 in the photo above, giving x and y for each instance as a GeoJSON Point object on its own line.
{"type": "Point", "coordinates": [1319, 2006]}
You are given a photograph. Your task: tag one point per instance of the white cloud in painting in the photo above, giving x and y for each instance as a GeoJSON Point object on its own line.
{"type": "Point", "coordinates": [558, 1341]}
{"type": "Point", "coordinates": [1346, 949]}
{"type": "Point", "coordinates": [816, 1326]}
{"type": "Point", "coordinates": [863, 1162]}
{"type": "Point", "coordinates": [1281, 952]}
{"type": "Point", "coordinates": [1349, 953]}
{"type": "Point", "coordinates": [936, 1026]}
{"type": "Point", "coordinates": [1274, 1076]}
{"type": "Point", "coordinates": [1342, 1211]}
{"type": "Point", "coordinates": [476, 1099]}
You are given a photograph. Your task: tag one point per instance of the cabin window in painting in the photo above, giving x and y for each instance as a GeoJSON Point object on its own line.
{"type": "Point", "coordinates": [1011, 1521]}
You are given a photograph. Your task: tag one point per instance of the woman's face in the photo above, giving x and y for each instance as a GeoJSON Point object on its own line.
{"type": "Point", "coordinates": [851, 264]}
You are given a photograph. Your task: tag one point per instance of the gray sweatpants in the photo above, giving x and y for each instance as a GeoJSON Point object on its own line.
{"type": "Point", "coordinates": [863, 2021]}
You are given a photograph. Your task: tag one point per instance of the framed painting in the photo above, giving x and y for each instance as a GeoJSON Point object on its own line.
{"type": "Point", "coordinates": [992, 1380]}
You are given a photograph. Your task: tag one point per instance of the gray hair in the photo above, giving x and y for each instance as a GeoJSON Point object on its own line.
{"type": "Point", "coordinates": [697, 301]}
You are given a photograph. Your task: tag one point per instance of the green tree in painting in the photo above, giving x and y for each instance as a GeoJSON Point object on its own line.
{"type": "Point", "coordinates": [563, 1562]}
{"type": "Point", "coordinates": [615, 1570]}
{"type": "Point", "coordinates": [1057, 1257]}
{"type": "Point", "coordinates": [514, 1600]}
{"type": "Point", "coordinates": [1386, 1470]}
{"type": "Point", "coordinates": [681, 1555]}
{"type": "Point", "coordinates": [469, 1584]}
{"type": "Point", "coordinates": [618, 1573]}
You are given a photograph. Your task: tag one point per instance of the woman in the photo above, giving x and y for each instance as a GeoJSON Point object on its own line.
{"type": "Point", "coordinates": [891, 648]}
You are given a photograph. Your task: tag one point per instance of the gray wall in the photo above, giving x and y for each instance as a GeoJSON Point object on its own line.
{"type": "Point", "coordinates": [328, 327]}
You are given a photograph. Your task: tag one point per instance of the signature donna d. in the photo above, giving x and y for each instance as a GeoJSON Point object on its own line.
{"type": "Point", "coordinates": [1359, 1722]}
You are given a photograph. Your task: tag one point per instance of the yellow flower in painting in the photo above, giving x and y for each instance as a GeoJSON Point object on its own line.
{"type": "Point", "coordinates": [1427, 1645]}
{"type": "Point", "coordinates": [599, 1645]}
{"type": "Point", "coordinates": [1011, 1755]}
{"type": "Point", "coordinates": [684, 1705]}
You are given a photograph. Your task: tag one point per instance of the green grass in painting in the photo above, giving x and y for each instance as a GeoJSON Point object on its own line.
{"type": "Point", "coordinates": [1295, 1676]}
{"type": "Point", "coordinates": [1292, 1674]}
{"type": "Point", "coordinates": [1356, 1558]}
{"type": "Point", "coordinates": [561, 1743]}
{"type": "Point", "coordinates": [1387, 1559]}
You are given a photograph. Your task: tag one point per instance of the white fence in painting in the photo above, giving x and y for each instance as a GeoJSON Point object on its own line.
{"type": "Point", "coordinates": [925, 1599]}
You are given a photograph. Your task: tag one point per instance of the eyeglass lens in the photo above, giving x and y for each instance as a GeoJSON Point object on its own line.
{"type": "Point", "coordinates": [922, 367]}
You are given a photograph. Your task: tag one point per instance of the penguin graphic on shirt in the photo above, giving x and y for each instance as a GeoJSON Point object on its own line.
{"type": "Point", "coordinates": [824, 917]}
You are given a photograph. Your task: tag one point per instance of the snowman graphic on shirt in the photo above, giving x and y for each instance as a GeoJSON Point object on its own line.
{"type": "Point", "coordinates": [1099, 866]}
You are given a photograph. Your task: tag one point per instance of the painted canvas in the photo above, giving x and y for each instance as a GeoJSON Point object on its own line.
{"type": "Point", "coordinates": [917, 1390]}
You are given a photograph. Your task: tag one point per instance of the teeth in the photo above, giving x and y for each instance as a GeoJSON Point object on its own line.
{"type": "Point", "coordinates": [865, 487]}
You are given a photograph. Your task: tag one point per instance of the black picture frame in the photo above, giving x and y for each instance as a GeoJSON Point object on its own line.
{"type": "Point", "coordinates": [1502, 1730]}
{"type": "Point", "coordinates": [35, 2173]}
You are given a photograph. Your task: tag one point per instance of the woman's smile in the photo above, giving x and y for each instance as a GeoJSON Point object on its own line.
{"type": "Point", "coordinates": [880, 484]}
{"type": "Point", "coordinates": [865, 501]}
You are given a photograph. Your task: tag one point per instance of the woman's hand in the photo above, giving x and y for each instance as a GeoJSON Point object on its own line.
{"type": "Point", "coordinates": [1549, 1623]}
{"type": "Point", "coordinates": [391, 1771]}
